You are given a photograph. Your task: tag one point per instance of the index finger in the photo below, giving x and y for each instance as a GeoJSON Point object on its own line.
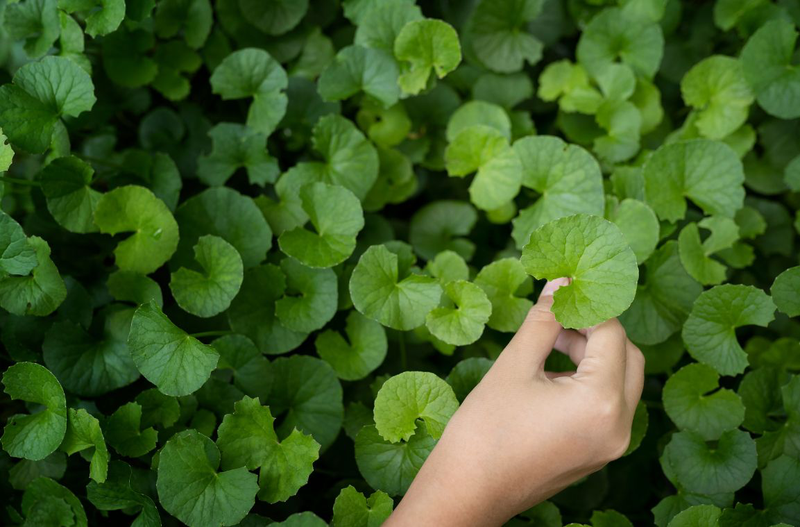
{"type": "Point", "coordinates": [606, 354]}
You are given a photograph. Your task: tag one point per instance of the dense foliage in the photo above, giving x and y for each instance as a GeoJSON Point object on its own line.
{"type": "Point", "coordinates": [253, 253]}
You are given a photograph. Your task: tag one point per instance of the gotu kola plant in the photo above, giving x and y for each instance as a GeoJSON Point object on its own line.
{"type": "Point", "coordinates": [253, 255]}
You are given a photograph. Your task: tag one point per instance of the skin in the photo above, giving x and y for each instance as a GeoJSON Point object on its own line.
{"type": "Point", "coordinates": [524, 434]}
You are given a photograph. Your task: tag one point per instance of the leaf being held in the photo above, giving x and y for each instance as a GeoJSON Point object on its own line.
{"type": "Point", "coordinates": [34, 436]}
{"type": "Point", "coordinates": [177, 363]}
{"type": "Point", "coordinates": [593, 253]}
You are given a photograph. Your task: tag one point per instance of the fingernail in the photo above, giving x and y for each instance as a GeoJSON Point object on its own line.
{"type": "Point", "coordinates": [552, 285]}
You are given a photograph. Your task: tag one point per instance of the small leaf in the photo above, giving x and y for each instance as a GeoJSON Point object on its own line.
{"type": "Point", "coordinates": [356, 69]}
{"type": "Point", "coordinates": [462, 323]}
{"type": "Point", "coordinates": [360, 353]}
{"type": "Point", "coordinates": [427, 44]}
{"type": "Point", "coordinates": [390, 467]}
{"type": "Point", "coordinates": [17, 255]}
{"type": "Point", "coordinates": [125, 434]}
{"type": "Point", "coordinates": [353, 509]}
{"type": "Point", "coordinates": [83, 433]}
{"type": "Point", "coordinates": [37, 294]}
{"type": "Point", "coordinates": [70, 199]}
{"type": "Point", "coordinates": [235, 146]}
{"type": "Point", "coordinates": [786, 291]}
{"type": "Point", "coordinates": [311, 297]}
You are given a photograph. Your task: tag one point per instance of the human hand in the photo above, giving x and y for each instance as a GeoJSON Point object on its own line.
{"type": "Point", "coordinates": [524, 434]}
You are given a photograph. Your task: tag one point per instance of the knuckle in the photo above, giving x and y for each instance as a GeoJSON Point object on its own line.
{"type": "Point", "coordinates": [540, 313]}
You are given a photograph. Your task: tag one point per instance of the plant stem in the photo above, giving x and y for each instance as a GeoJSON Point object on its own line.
{"type": "Point", "coordinates": [217, 333]}
{"type": "Point", "coordinates": [26, 182]}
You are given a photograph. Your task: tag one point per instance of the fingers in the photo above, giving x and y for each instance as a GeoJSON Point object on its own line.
{"type": "Point", "coordinates": [606, 355]}
{"type": "Point", "coordinates": [556, 374]}
{"type": "Point", "coordinates": [536, 337]}
{"type": "Point", "coordinates": [634, 375]}
{"type": "Point", "coordinates": [572, 343]}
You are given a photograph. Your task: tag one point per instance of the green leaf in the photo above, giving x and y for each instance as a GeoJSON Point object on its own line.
{"type": "Point", "coordinates": [701, 468]}
{"type": "Point", "coordinates": [246, 439]}
{"type": "Point", "coordinates": [448, 266]}
{"type": "Point", "coordinates": [441, 226]}
{"type": "Point", "coordinates": [25, 471]}
{"type": "Point", "coordinates": [359, 354]}
{"type": "Point", "coordinates": [717, 88]}
{"type": "Point", "coordinates": [353, 509]}
{"type": "Point", "coordinates": [70, 199]}
{"type": "Point", "coordinates": [473, 148]}
{"type": "Point", "coordinates": [380, 24]}
{"type": "Point", "coordinates": [461, 320]}
{"type": "Point", "coordinates": [622, 122]}
{"type": "Point", "coordinates": [155, 233]}
{"type": "Point", "coordinates": [770, 70]}
{"type": "Point", "coordinates": [125, 434]}
{"type": "Point", "coordinates": [17, 254]}
{"type": "Point", "coordinates": [467, 374]}
{"type": "Point", "coordinates": [502, 281]}
{"type": "Point", "coordinates": [781, 487]}
{"type": "Point", "coordinates": [593, 253]}
{"type": "Point", "coordinates": [275, 17]}
{"type": "Point", "coordinates": [475, 113]}
{"type": "Point", "coordinates": [126, 286]}
{"type": "Point", "coordinates": [497, 182]}
{"type": "Point", "coordinates": [786, 291]}
{"type": "Point", "coordinates": [707, 172]}
{"type": "Point", "coordinates": [638, 224]}
{"type": "Point", "coordinates": [41, 93]}
{"type": "Point", "coordinates": [567, 177]}
{"type": "Point", "coordinates": [709, 331]}
{"type": "Point", "coordinates": [37, 435]}
{"type": "Point", "coordinates": [422, 46]}
{"type": "Point", "coordinates": [252, 312]}
{"type": "Point", "coordinates": [236, 146]}
{"type": "Point", "coordinates": [117, 493]}
{"type": "Point", "coordinates": [311, 297]}
{"type": "Point", "coordinates": [210, 292]}
{"type": "Point", "coordinates": [191, 489]}
{"type": "Point", "coordinates": [615, 34]}
{"type": "Point", "coordinates": [45, 502]}
{"type": "Point", "coordinates": [663, 301]}
{"type": "Point", "coordinates": [786, 437]}
{"type": "Point", "coordinates": [223, 212]}
{"type": "Point", "coordinates": [191, 17]}
{"type": "Point", "coordinates": [697, 515]}
{"type": "Point", "coordinates": [105, 15]}
{"type": "Point", "coordinates": [91, 364]}
{"type": "Point", "coordinates": [350, 160]}
{"type": "Point", "coordinates": [387, 466]}
{"type": "Point", "coordinates": [358, 69]}
{"type": "Point", "coordinates": [337, 218]}
{"type": "Point", "coordinates": [177, 363]}
{"type": "Point", "coordinates": [83, 433]}
{"type": "Point", "coordinates": [687, 404]}
{"type": "Point", "coordinates": [252, 72]}
{"type": "Point", "coordinates": [381, 293]}
{"type": "Point", "coordinates": [307, 395]}
{"type": "Point", "coordinates": [126, 59]}
{"type": "Point", "coordinates": [36, 21]}
{"type": "Point", "coordinates": [37, 294]}
{"type": "Point", "coordinates": [498, 34]}
{"type": "Point", "coordinates": [302, 519]}
{"type": "Point", "coordinates": [409, 396]}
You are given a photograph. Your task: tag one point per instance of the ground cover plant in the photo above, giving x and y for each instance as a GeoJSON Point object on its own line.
{"type": "Point", "coordinates": [253, 254]}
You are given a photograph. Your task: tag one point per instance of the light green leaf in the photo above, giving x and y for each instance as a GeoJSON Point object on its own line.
{"type": "Point", "coordinates": [252, 312]}
{"type": "Point", "coordinates": [473, 148]}
{"type": "Point", "coordinates": [252, 72]}
{"type": "Point", "coordinates": [361, 69]}
{"type": "Point", "coordinates": [357, 356]}
{"type": "Point", "coordinates": [337, 218]}
{"type": "Point", "coordinates": [210, 292]}
{"type": "Point", "coordinates": [155, 233]}
{"type": "Point", "coordinates": [223, 212]}
{"type": "Point", "coordinates": [709, 331]}
{"type": "Point", "coordinates": [409, 396]}
{"type": "Point", "coordinates": [91, 364]}
{"type": "Point", "coordinates": [306, 395]}
{"type": "Point", "coordinates": [380, 23]}
{"type": "Point", "coordinates": [707, 172]}
{"type": "Point", "coordinates": [36, 21]}
{"type": "Point", "coordinates": [461, 320]}
{"type": "Point", "coordinates": [614, 34]}
{"type": "Point", "coordinates": [387, 466]}
{"type": "Point", "coordinates": [696, 260]}
{"type": "Point", "coordinates": [17, 254]}
{"type": "Point", "coordinates": [663, 301]}
{"type": "Point", "coordinates": [594, 254]}
{"type": "Point", "coordinates": [701, 468]}
{"type": "Point", "coordinates": [37, 294]}
{"type": "Point", "coordinates": [622, 122]}
{"type": "Point", "coordinates": [318, 298]}
{"type": "Point", "coordinates": [687, 404]}
{"type": "Point", "coordinates": [786, 291]}
{"type": "Point", "coordinates": [769, 68]}
{"type": "Point", "coordinates": [499, 37]}
{"type": "Point", "coordinates": [447, 267]}
{"type": "Point", "coordinates": [717, 88]}
{"type": "Point", "coordinates": [439, 226]}
{"type": "Point", "coordinates": [381, 293]}
{"type": "Point", "coordinates": [40, 94]}
{"type": "Point", "coordinates": [497, 182]}
{"type": "Point", "coordinates": [502, 282]}
{"type": "Point", "coordinates": [638, 223]}
{"type": "Point", "coordinates": [104, 17]}
{"type": "Point", "coordinates": [125, 433]}
{"type": "Point", "coordinates": [37, 435]}
{"type": "Point", "coordinates": [353, 509]}
{"type": "Point", "coordinates": [426, 45]}
{"type": "Point", "coordinates": [175, 362]}
{"type": "Point", "coordinates": [236, 146]}
{"type": "Point", "coordinates": [70, 199]}
{"type": "Point", "coordinates": [475, 113]}
{"type": "Point", "coordinates": [83, 433]}
{"type": "Point", "coordinates": [191, 489]}
{"type": "Point", "coordinates": [706, 515]}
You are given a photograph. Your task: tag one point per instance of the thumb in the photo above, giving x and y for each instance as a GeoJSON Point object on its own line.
{"type": "Point", "coordinates": [537, 335]}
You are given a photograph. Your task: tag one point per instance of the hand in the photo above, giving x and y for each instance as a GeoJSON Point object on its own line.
{"type": "Point", "coordinates": [524, 434]}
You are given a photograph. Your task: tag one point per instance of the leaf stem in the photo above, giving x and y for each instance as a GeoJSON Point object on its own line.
{"type": "Point", "coordinates": [26, 182]}
{"type": "Point", "coordinates": [217, 333]}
